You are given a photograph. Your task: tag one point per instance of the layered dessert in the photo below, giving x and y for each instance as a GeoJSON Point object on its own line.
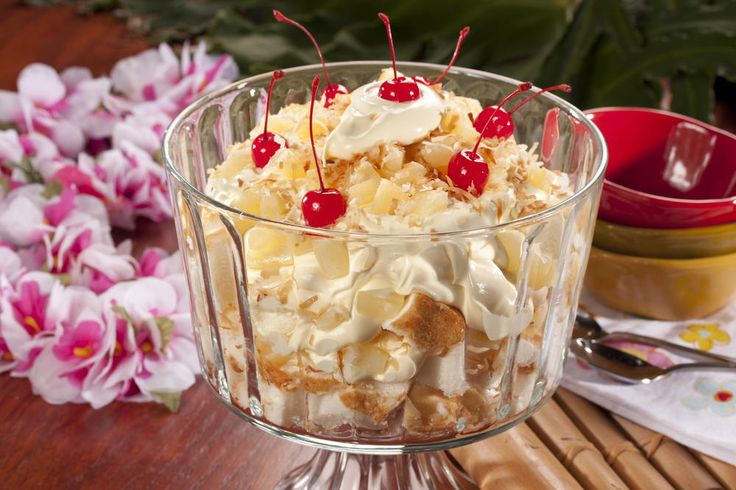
{"type": "Point", "coordinates": [384, 323]}
{"type": "Point", "coordinates": [365, 291]}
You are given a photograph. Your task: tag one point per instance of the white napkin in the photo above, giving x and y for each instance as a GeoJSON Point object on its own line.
{"type": "Point", "coordinates": [695, 408]}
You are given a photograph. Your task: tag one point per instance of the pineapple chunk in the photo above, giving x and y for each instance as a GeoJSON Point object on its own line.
{"type": "Point", "coordinates": [238, 158]}
{"type": "Point", "coordinates": [248, 201]}
{"type": "Point", "coordinates": [437, 155]}
{"type": "Point", "coordinates": [364, 192]}
{"type": "Point", "coordinates": [393, 160]}
{"type": "Point", "coordinates": [292, 166]}
{"type": "Point", "coordinates": [302, 245]}
{"type": "Point", "coordinates": [539, 177]}
{"type": "Point", "coordinates": [272, 206]}
{"type": "Point", "coordinates": [319, 128]}
{"type": "Point", "coordinates": [379, 304]}
{"type": "Point", "coordinates": [542, 272]}
{"type": "Point", "coordinates": [411, 172]}
{"type": "Point", "coordinates": [386, 196]}
{"type": "Point", "coordinates": [266, 247]}
{"type": "Point", "coordinates": [279, 124]}
{"type": "Point", "coordinates": [363, 171]}
{"type": "Point", "coordinates": [428, 203]}
{"type": "Point", "coordinates": [332, 257]}
{"type": "Point", "coordinates": [512, 242]}
{"type": "Point", "coordinates": [449, 121]}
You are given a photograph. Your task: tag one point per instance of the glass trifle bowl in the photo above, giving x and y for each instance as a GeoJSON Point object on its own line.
{"type": "Point", "coordinates": [379, 345]}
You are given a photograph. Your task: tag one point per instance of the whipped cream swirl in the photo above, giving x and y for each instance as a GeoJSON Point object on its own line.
{"type": "Point", "coordinates": [370, 121]}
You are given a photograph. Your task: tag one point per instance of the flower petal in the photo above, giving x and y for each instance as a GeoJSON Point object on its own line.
{"type": "Point", "coordinates": [74, 75]}
{"type": "Point", "coordinates": [10, 109]}
{"type": "Point", "coordinates": [46, 376]}
{"type": "Point", "coordinates": [166, 376]}
{"type": "Point", "coordinates": [68, 137]}
{"type": "Point", "coordinates": [41, 84]}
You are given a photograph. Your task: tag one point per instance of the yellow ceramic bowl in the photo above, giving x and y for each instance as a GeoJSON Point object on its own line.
{"type": "Point", "coordinates": [684, 243]}
{"type": "Point", "coordinates": [665, 289]}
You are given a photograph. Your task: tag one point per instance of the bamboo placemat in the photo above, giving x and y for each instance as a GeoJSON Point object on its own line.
{"type": "Point", "coordinates": [572, 443]}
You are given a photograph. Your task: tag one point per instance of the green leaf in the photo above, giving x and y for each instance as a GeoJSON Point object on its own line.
{"type": "Point", "coordinates": [65, 279]}
{"type": "Point", "coordinates": [614, 52]}
{"type": "Point", "coordinates": [166, 328]}
{"type": "Point", "coordinates": [692, 94]}
{"type": "Point", "coordinates": [4, 183]}
{"type": "Point", "coordinates": [172, 401]}
{"type": "Point", "coordinates": [26, 166]}
{"type": "Point", "coordinates": [52, 189]}
{"type": "Point", "coordinates": [123, 313]}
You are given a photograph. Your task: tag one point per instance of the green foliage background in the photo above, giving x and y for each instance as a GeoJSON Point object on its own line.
{"type": "Point", "coordinates": [613, 52]}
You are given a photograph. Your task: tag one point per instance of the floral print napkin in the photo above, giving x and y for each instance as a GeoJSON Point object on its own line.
{"type": "Point", "coordinates": [697, 408]}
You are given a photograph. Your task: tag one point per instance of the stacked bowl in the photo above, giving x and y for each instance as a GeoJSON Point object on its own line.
{"type": "Point", "coordinates": [665, 240]}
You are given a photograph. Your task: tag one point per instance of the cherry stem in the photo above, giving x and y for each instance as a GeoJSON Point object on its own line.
{"type": "Point", "coordinates": [387, 23]}
{"type": "Point", "coordinates": [315, 86]}
{"type": "Point", "coordinates": [563, 86]}
{"type": "Point", "coordinates": [276, 75]}
{"type": "Point", "coordinates": [282, 18]}
{"type": "Point", "coordinates": [523, 87]}
{"type": "Point", "coordinates": [463, 34]}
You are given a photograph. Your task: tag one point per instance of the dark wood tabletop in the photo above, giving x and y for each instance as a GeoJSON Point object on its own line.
{"type": "Point", "coordinates": [132, 446]}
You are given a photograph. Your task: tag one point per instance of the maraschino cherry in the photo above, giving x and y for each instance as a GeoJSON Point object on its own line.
{"type": "Point", "coordinates": [467, 169]}
{"type": "Point", "coordinates": [266, 144]}
{"type": "Point", "coordinates": [322, 207]}
{"type": "Point", "coordinates": [503, 123]}
{"type": "Point", "coordinates": [400, 89]}
{"type": "Point", "coordinates": [332, 89]}
{"type": "Point", "coordinates": [463, 34]}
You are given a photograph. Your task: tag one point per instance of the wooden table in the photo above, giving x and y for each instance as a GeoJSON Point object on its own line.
{"type": "Point", "coordinates": [144, 446]}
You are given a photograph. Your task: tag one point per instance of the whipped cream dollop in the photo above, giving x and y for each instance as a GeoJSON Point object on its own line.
{"type": "Point", "coordinates": [370, 121]}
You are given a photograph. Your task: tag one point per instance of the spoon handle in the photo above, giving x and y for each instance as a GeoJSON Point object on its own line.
{"type": "Point", "coordinates": [687, 351]}
{"type": "Point", "coordinates": [699, 365]}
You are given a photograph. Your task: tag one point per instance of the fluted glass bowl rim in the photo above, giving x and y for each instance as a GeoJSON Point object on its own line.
{"type": "Point", "coordinates": [601, 156]}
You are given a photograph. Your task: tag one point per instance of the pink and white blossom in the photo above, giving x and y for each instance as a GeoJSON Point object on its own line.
{"type": "Point", "coordinates": [101, 266]}
{"type": "Point", "coordinates": [157, 78]}
{"type": "Point", "coordinates": [79, 316]}
{"type": "Point", "coordinates": [29, 312]}
{"type": "Point", "coordinates": [44, 104]}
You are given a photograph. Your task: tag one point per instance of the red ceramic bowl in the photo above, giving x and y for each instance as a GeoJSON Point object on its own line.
{"type": "Point", "coordinates": [665, 170]}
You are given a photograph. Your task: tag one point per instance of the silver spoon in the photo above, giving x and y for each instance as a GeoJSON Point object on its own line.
{"type": "Point", "coordinates": [587, 327]}
{"type": "Point", "coordinates": [629, 368]}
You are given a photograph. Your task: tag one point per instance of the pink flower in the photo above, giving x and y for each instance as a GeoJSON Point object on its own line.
{"type": "Point", "coordinates": [101, 266]}
{"type": "Point", "coordinates": [45, 104]}
{"type": "Point", "coordinates": [81, 340]}
{"type": "Point", "coordinates": [144, 129]}
{"type": "Point", "coordinates": [34, 148]}
{"type": "Point", "coordinates": [154, 353]}
{"type": "Point", "coordinates": [28, 315]}
{"type": "Point", "coordinates": [11, 264]}
{"type": "Point", "coordinates": [7, 361]}
{"type": "Point", "coordinates": [22, 221]}
{"type": "Point", "coordinates": [80, 317]}
{"type": "Point", "coordinates": [146, 76]}
{"type": "Point", "coordinates": [67, 225]}
{"type": "Point", "coordinates": [132, 184]}
{"type": "Point", "coordinates": [157, 78]}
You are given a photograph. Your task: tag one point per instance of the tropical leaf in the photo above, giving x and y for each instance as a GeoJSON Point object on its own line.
{"type": "Point", "coordinates": [614, 52]}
